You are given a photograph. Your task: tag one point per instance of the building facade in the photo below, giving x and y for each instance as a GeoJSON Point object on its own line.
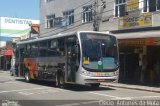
{"type": "Point", "coordinates": [136, 23]}
{"type": "Point", "coordinates": [12, 30]}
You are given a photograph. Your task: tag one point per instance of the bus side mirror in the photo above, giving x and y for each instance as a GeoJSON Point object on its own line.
{"type": "Point", "coordinates": [76, 49]}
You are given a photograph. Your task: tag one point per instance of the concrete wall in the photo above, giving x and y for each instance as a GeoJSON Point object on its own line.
{"type": "Point", "coordinates": [156, 19]}
{"type": "Point", "coordinates": [57, 7]}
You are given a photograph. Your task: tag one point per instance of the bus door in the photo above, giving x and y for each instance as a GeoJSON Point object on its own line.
{"type": "Point", "coordinates": [19, 61]}
{"type": "Point", "coordinates": [71, 59]}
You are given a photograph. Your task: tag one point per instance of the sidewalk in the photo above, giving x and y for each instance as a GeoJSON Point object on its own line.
{"type": "Point", "coordinates": [134, 87]}
{"type": "Point", "coordinates": [4, 72]}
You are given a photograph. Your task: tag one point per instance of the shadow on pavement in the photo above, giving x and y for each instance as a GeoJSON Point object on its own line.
{"type": "Point", "coordinates": [79, 88]}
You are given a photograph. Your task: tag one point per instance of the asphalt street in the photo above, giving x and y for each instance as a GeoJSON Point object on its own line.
{"type": "Point", "coordinates": [14, 90]}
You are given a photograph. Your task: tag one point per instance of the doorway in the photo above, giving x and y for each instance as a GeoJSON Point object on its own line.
{"type": "Point", "coordinates": [71, 59]}
{"type": "Point", "coordinates": [129, 65]}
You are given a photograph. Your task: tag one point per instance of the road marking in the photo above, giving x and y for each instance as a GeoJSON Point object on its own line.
{"type": "Point", "coordinates": [11, 82]}
{"type": "Point", "coordinates": [20, 90]}
{"type": "Point", "coordinates": [89, 102]}
{"type": "Point", "coordinates": [124, 98]}
{"type": "Point", "coordinates": [142, 97]}
{"type": "Point", "coordinates": [115, 97]}
{"type": "Point", "coordinates": [72, 104]}
{"type": "Point", "coordinates": [79, 104]}
{"type": "Point", "coordinates": [37, 92]}
{"type": "Point", "coordinates": [25, 93]}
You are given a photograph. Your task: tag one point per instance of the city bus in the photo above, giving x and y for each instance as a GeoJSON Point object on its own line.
{"type": "Point", "coordinates": [82, 57]}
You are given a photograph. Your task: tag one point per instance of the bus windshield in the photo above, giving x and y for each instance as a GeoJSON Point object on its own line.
{"type": "Point", "coordinates": [99, 51]}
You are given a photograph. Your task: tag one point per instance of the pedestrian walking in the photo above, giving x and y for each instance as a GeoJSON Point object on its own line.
{"type": "Point", "coordinates": [157, 71]}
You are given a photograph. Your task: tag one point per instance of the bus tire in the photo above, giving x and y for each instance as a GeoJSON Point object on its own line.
{"type": "Point", "coordinates": [95, 85]}
{"type": "Point", "coordinates": [27, 77]}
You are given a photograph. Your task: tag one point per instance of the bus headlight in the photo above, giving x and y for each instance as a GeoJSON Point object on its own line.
{"type": "Point", "coordinates": [87, 73]}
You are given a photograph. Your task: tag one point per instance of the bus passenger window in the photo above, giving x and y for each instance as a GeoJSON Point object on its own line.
{"type": "Point", "coordinates": [28, 50]}
{"type": "Point", "coordinates": [34, 49]}
{"type": "Point", "coordinates": [61, 46]}
{"type": "Point", "coordinates": [52, 48]}
{"type": "Point", "coordinates": [43, 48]}
{"type": "Point", "coordinates": [22, 52]}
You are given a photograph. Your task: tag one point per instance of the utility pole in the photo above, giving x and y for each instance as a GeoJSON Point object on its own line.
{"type": "Point", "coordinates": [95, 16]}
{"type": "Point", "coordinates": [97, 13]}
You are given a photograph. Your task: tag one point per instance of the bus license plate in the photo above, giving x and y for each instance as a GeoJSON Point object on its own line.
{"type": "Point", "coordinates": [104, 74]}
{"type": "Point", "coordinates": [101, 80]}
{"type": "Point", "coordinates": [98, 74]}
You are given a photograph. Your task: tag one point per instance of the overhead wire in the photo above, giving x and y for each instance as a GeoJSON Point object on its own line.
{"type": "Point", "coordinates": [70, 27]}
{"type": "Point", "coordinates": [90, 21]}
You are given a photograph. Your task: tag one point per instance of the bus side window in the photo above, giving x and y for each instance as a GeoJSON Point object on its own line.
{"type": "Point", "coordinates": [22, 52]}
{"type": "Point", "coordinates": [28, 50]}
{"type": "Point", "coordinates": [61, 46]}
{"type": "Point", "coordinates": [34, 49]}
{"type": "Point", "coordinates": [52, 47]}
{"type": "Point", "coordinates": [17, 53]}
{"type": "Point", "coordinates": [43, 48]}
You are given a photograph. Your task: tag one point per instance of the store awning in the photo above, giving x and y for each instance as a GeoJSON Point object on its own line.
{"type": "Point", "coordinates": [8, 52]}
{"type": "Point", "coordinates": [145, 38]}
{"type": "Point", "coordinates": [143, 34]}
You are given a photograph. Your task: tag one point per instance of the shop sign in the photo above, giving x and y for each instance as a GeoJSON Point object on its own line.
{"type": "Point", "coordinates": [152, 41]}
{"type": "Point", "coordinates": [132, 5]}
{"type": "Point", "coordinates": [132, 42]}
{"type": "Point", "coordinates": [17, 21]}
{"type": "Point", "coordinates": [139, 42]}
{"type": "Point", "coordinates": [141, 20]}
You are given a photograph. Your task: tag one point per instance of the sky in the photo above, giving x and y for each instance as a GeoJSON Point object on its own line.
{"type": "Point", "coordinates": [27, 9]}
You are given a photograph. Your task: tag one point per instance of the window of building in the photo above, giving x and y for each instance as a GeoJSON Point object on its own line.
{"type": "Point", "coordinates": [49, 0]}
{"type": "Point", "coordinates": [68, 17]}
{"type": "Point", "coordinates": [151, 5]}
{"type": "Point", "coordinates": [58, 21]}
{"type": "Point", "coordinates": [145, 6]}
{"type": "Point", "coordinates": [120, 8]}
{"type": "Point", "coordinates": [50, 21]}
{"type": "Point", "coordinates": [87, 14]}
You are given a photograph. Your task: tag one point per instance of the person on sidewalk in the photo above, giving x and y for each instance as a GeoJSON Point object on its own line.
{"type": "Point", "coordinates": [157, 71]}
{"type": "Point", "coordinates": [143, 71]}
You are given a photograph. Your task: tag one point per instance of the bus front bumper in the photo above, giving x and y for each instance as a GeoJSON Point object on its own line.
{"type": "Point", "coordinates": [83, 79]}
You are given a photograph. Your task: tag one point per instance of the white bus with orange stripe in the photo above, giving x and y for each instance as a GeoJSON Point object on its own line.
{"type": "Point", "coordinates": [83, 57]}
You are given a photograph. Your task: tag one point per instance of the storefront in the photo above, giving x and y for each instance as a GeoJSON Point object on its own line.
{"type": "Point", "coordinates": [139, 46]}
{"type": "Point", "coordinates": [11, 30]}
{"type": "Point", "coordinates": [138, 57]}
{"type": "Point", "coordinates": [5, 59]}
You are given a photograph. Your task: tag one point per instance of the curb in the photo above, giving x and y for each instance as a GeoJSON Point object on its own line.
{"type": "Point", "coordinates": [143, 88]}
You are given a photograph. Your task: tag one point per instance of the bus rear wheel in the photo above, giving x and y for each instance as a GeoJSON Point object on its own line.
{"type": "Point", "coordinates": [27, 77]}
